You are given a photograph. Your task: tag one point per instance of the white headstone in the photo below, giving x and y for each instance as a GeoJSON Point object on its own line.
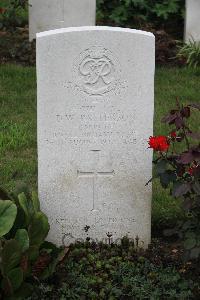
{"type": "Point", "coordinates": [53, 14]}
{"type": "Point", "coordinates": [192, 22]}
{"type": "Point", "coordinates": [95, 115]}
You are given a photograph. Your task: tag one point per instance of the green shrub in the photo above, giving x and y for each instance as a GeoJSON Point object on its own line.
{"type": "Point", "coordinates": [140, 13]}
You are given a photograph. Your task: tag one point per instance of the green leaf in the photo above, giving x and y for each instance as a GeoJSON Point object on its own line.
{"type": "Point", "coordinates": [16, 278]}
{"type": "Point", "coordinates": [23, 239]}
{"type": "Point", "coordinates": [24, 204]}
{"type": "Point", "coordinates": [33, 253]}
{"type": "Point", "coordinates": [11, 255]}
{"type": "Point", "coordinates": [27, 207]}
{"type": "Point", "coordinates": [38, 229]}
{"type": "Point", "coordinates": [8, 212]}
{"type": "Point", "coordinates": [35, 201]}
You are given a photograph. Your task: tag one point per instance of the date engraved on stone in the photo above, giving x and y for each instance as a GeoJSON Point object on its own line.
{"type": "Point", "coordinates": [95, 71]}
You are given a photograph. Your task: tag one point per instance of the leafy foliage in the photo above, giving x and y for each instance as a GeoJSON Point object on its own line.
{"type": "Point", "coordinates": [12, 15]}
{"type": "Point", "coordinates": [166, 14]}
{"type": "Point", "coordinates": [100, 271]}
{"type": "Point", "coordinates": [8, 212]}
{"type": "Point", "coordinates": [140, 13]}
{"type": "Point", "coordinates": [190, 52]}
{"type": "Point", "coordinates": [23, 229]}
{"type": "Point", "coordinates": [180, 171]}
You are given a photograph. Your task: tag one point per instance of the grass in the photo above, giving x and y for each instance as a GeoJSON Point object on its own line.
{"type": "Point", "coordinates": [17, 126]}
{"type": "Point", "coordinates": [18, 154]}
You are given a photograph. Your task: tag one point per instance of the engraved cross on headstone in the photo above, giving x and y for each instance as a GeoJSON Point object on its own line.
{"type": "Point", "coordinates": [94, 174]}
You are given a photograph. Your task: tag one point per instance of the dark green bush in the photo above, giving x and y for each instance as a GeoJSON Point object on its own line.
{"type": "Point", "coordinates": [167, 14]}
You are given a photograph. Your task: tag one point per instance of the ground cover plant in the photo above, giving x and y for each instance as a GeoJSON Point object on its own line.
{"type": "Point", "coordinates": [99, 271]}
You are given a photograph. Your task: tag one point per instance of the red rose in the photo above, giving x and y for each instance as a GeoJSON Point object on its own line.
{"type": "Point", "coordinates": [158, 143]}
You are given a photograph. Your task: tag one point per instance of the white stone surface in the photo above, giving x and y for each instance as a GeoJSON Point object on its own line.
{"type": "Point", "coordinates": [52, 14]}
{"type": "Point", "coordinates": [95, 115]}
{"type": "Point", "coordinates": [192, 21]}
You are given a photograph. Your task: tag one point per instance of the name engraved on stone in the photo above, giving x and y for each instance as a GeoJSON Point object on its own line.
{"type": "Point", "coordinates": [95, 174]}
{"type": "Point", "coordinates": [104, 127]}
{"type": "Point", "coordinates": [118, 116]}
{"type": "Point", "coordinates": [96, 71]}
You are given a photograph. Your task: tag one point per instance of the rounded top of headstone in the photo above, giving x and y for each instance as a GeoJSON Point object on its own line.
{"type": "Point", "coordinates": [93, 28]}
